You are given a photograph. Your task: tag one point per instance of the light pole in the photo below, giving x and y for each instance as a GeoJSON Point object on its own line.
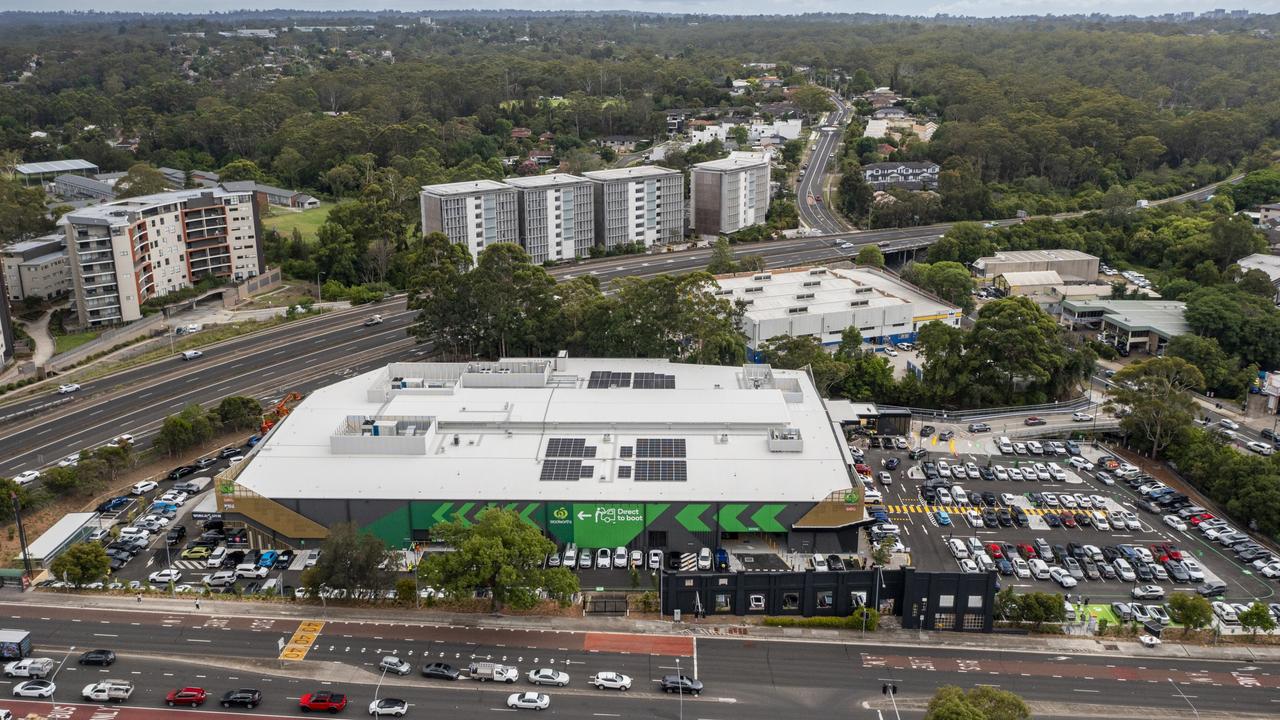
{"type": "Point", "coordinates": [890, 688]}
{"type": "Point", "coordinates": [1184, 697]}
{"type": "Point", "coordinates": [378, 687]}
{"type": "Point", "coordinates": [680, 687]}
{"type": "Point", "coordinates": [318, 276]}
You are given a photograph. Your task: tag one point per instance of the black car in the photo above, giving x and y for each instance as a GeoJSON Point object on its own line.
{"type": "Point", "coordinates": [1004, 517]}
{"type": "Point", "coordinates": [928, 494]}
{"type": "Point", "coordinates": [673, 560]}
{"type": "Point", "coordinates": [1177, 571]}
{"type": "Point", "coordinates": [892, 463]}
{"type": "Point", "coordinates": [1075, 550]}
{"type": "Point", "coordinates": [1110, 553]}
{"type": "Point", "coordinates": [120, 546]}
{"type": "Point", "coordinates": [986, 473]}
{"type": "Point", "coordinates": [990, 519]}
{"type": "Point", "coordinates": [284, 559]}
{"type": "Point", "coordinates": [681, 684]}
{"type": "Point", "coordinates": [1019, 516]}
{"type": "Point", "coordinates": [873, 442]}
{"type": "Point", "coordinates": [119, 561]}
{"type": "Point", "coordinates": [114, 504]}
{"type": "Point", "coordinates": [213, 523]}
{"type": "Point", "coordinates": [98, 657]}
{"type": "Point", "coordinates": [989, 498]}
{"type": "Point", "coordinates": [835, 564]}
{"type": "Point", "coordinates": [926, 430]}
{"type": "Point", "coordinates": [205, 462]}
{"type": "Point", "coordinates": [244, 697]}
{"type": "Point", "coordinates": [175, 536]}
{"type": "Point", "coordinates": [181, 471]}
{"type": "Point", "coordinates": [440, 671]}
{"type": "Point", "coordinates": [1211, 588]}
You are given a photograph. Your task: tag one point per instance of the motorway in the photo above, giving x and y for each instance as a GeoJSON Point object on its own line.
{"type": "Point", "coordinates": [745, 678]}
{"type": "Point", "coordinates": [816, 216]}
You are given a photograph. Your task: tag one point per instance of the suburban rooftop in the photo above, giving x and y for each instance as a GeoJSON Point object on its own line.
{"type": "Point", "coordinates": [469, 187]}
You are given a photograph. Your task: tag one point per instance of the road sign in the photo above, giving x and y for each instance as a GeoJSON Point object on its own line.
{"type": "Point", "coordinates": [280, 645]}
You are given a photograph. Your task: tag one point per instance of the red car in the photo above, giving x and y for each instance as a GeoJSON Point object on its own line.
{"type": "Point", "coordinates": [1033, 420]}
{"type": "Point", "coordinates": [322, 702]}
{"type": "Point", "coordinates": [1027, 552]}
{"type": "Point", "coordinates": [994, 550]}
{"type": "Point", "coordinates": [1201, 518]}
{"type": "Point", "coordinates": [1165, 551]}
{"type": "Point", "coordinates": [1068, 520]}
{"type": "Point", "coordinates": [192, 696]}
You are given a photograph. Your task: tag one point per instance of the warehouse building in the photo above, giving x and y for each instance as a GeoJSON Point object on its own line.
{"type": "Point", "coordinates": [1129, 325]}
{"type": "Point", "coordinates": [603, 453]}
{"type": "Point", "coordinates": [823, 302]}
{"type": "Point", "coordinates": [1072, 266]}
{"type": "Point", "coordinates": [39, 173]}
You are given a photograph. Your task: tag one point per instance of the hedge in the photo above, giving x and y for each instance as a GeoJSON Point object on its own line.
{"type": "Point", "coordinates": [852, 622]}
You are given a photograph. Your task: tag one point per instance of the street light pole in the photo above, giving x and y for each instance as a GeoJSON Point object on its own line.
{"type": "Point", "coordinates": [680, 687]}
{"type": "Point", "coordinates": [318, 276]}
{"type": "Point", "coordinates": [890, 688]}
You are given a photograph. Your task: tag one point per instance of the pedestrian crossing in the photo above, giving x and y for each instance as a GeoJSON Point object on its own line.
{"type": "Point", "coordinates": [950, 509]}
{"type": "Point", "coordinates": [189, 565]}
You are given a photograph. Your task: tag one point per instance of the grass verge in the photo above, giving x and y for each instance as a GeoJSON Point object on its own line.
{"type": "Point", "coordinates": [64, 343]}
{"type": "Point", "coordinates": [307, 222]}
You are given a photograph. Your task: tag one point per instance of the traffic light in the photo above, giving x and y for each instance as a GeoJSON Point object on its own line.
{"type": "Point", "coordinates": [889, 689]}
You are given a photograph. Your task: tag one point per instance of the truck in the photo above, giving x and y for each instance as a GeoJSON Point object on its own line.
{"type": "Point", "coordinates": [108, 690]}
{"type": "Point", "coordinates": [483, 671]}
{"type": "Point", "coordinates": [29, 668]}
{"type": "Point", "coordinates": [14, 644]}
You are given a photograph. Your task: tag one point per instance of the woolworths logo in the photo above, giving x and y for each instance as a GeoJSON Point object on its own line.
{"type": "Point", "coordinates": [561, 513]}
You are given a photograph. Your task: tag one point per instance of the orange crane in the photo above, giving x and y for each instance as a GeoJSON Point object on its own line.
{"type": "Point", "coordinates": [278, 413]}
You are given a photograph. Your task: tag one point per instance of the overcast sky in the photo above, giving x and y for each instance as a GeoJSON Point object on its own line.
{"type": "Point", "coordinates": [982, 8]}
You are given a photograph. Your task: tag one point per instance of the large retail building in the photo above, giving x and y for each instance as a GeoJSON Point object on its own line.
{"type": "Point", "coordinates": [598, 452]}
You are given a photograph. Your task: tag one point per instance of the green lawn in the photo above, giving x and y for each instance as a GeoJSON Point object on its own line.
{"type": "Point", "coordinates": [307, 221]}
{"type": "Point", "coordinates": [63, 343]}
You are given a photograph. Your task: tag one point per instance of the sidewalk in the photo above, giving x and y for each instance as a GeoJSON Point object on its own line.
{"type": "Point", "coordinates": [39, 332]}
{"type": "Point", "coordinates": [723, 628]}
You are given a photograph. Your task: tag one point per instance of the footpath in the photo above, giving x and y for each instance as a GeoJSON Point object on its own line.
{"type": "Point", "coordinates": [724, 628]}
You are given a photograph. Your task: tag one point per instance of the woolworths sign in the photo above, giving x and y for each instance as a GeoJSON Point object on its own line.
{"type": "Point", "coordinates": [596, 524]}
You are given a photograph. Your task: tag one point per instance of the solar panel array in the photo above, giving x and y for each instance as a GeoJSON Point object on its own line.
{"type": "Point", "coordinates": [570, 448]}
{"type": "Point", "coordinates": [653, 381]}
{"type": "Point", "coordinates": [625, 451]}
{"type": "Point", "coordinates": [661, 471]}
{"type": "Point", "coordinates": [660, 447]}
{"type": "Point", "coordinates": [565, 470]}
{"type": "Point", "coordinates": [603, 379]}
{"type": "Point", "coordinates": [624, 472]}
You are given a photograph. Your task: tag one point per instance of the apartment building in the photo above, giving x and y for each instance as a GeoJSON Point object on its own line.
{"type": "Point", "coordinates": [556, 216]}
{"type": "Point", "coordinates": [127, 252]}
{"type": "Point", "coordinates": [641, 205]}
{"type": "Point", "coordinates": [730, 194]}
{"type": "Point", "coordinates": [476, 213]}
{"type": "Point", "coordinates": [36, 268]}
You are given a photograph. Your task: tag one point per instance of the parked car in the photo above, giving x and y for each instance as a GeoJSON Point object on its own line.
{"type": "Point", "coordinates": [548, 676]}
{"type": "Point", "coordinates": [388, 706]}
{"type": "Point", "coordinates": [189, 696]}
{"type": "Point", "coordinates": [681, 684]}
{"type": "Point", "coordinates": [440, 671]}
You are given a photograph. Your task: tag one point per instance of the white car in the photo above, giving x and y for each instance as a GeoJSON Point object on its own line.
{"type": "Point", "coordinates": [611, 681]}
{"type": "Point", "coordinates": [1057, 473]}
{"type": "Point", "coordinates": [1193, 569]}
{"type": "Point", "coordinates": [1062, 577]}
{"type": "Point", "coordinates": [1000, 472]}
{"type": "Point", "coordinates": [1259, 447]}
{"type": "Point", "coordinates": [704, 559]}
{"type": "Point", "coordinates": [175, 497]}
{"type": "Point", "coordinates": [548, 676]}
{"type": "Point", "coordinates": [251, 570]}
{"type": "Point", "coordinates": [71, 460]}
{"type": "Point", "coordinates": [121, 441]}
{"type": "Point", "coordinates": [34, 689]}
{"type": "Point", "coordinates": [26, 477]}
{"type": "Point", "coordinates": [968, 566]}
{"type": "Point", "coordinates": [1229, 424]}
{"type": "Point", "coordinates": [819, 563]}
{"type": "Point", "coordinates": [1008, 499]}
{"type": "Point", "coordinates": [388, 706]}
{"type": "Point", "coordinates": [1042, 471]}
{"type": "Point", "coordinates": [144, 487]}
{"type": "Point", "coordinates": [1081, 417]}
{"type": "Point", "coordinates": [637, 559]}
{"type": "Point", "coordinates": [1175, 522]}
{"type": "Point", "coordinates": [1080, 463]}
{"type": "Point", "coordinates": [528, 701]}
{"type": "Point", "coordinates": [1021, 568]}
{"type": "Point", "coordinates": [191, 354]}
{"type": "Point", "coordinates": [164, 577]}
{"type": "Point", "coordinates": [1105, 478]}
{"type": "Point", "coordinates": [68, 388]}
{"type": "Point", "coordinates": [655, 559]}
{"type": "Point", "coordinates": [235, 460]}
{"type": "Point", "coordinates": [1149, 640]}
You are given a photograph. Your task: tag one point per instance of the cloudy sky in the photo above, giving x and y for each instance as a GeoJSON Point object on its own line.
{"type": "Point", "coordinates": [917, 7]}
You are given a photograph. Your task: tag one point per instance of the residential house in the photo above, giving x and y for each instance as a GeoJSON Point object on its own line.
{"type": "Point", "coordinates": [521, 133]}
{"type": "Point", "coordinates": [889, 113]}
{"type": "Point", "coordinates": [905, 175]}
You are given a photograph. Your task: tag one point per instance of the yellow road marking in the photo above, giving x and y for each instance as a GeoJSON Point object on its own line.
{"type": "Point", "coordinates": [303, 638]}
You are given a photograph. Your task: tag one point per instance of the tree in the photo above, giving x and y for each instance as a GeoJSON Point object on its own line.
{"type": "Point", "coordinates": [1258, 187]}
{"type": "Point", "coordinates": [870, 255]}
{"type": "Point", "coordinates": [193, 426]}
{"type": "Point", "coordinates": [60, 480]}
{"type": "Point", "coordinates": [964, 242]}
{"type": "Point", "coordinates": [740, 135]}
{"type": "Point", "coordinates": [239, 412]}
{"type": "Point", "coordinates": [950, 281]}
{"type": "Point", "coordinates": [22, 210]}
{"type": "Point", "coordinates": [350, 560]}
{"type": "Point", "coordinates": [81, 564]}
{"type": "Point", "coordinates": [812, 100]}
{"type": "Point", "coordinates": [722, 261]}
{"type": "Point", "coordinates": [501, 552]}
{"type": "Point", "coordinates": [980, 703]}
{"type": "Point", "coordinates": [1155, 393]}
{"type": "Point", "coordinates": [794, 352]}
{"type": "Point", "coordinates": [856, 196]}
{"type": "Point", "coordinates": [883, 552]}
{"type": "Point", "coordinates": [1257, 617]}
{"type": "Point", "coordinates": [1257, 282]}
{"type": "Point", "coordinates": [239, 170]}
{"type": "Point", "coordinates": [1234, 237]}
{"type": "Point", "coordinates": [1191, 610]}
{"type": "Point", "coordinates": [141, 179]}
{"type": "Point", "coordinates": [114, 458]}
{"type": "Point", "coordinates": [1206, 355]}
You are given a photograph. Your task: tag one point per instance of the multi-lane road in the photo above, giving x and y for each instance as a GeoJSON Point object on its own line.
{"type": "Point", "coordinates": [745, 678]}
{"type": "Point", "coordinates": [810, 191]}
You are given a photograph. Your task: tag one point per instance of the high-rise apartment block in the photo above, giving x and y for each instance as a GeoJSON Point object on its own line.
{"type": "Point", "coordinates": [475, 214]}
{"type": "Point", "coordinates": [127, 252]}
{"type": "Point", "coordinates": [730, 194]}
{"type": "Point", "coordinates": [641, 205]}
{"type": "Point", "coordinates": [556, 216]}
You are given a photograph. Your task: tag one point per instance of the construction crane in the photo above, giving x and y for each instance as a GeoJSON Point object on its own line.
{"type": "Point", "coordinates": [279, 412]}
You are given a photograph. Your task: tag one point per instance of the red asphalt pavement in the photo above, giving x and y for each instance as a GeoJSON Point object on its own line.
{"type": "Point", "coordinates": [87, 711]}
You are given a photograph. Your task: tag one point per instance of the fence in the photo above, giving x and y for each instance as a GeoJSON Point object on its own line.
{"type": "Point", "coordinates": [147, 326]}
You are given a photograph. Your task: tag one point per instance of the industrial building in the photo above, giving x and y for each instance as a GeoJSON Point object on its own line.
{"type": "Point", "coordinates": [39, 173]}
{"type": "Point", "coordinates": [126, 252]}
{"type": "Point", "coordinates": [1072, 266]}
{"type": "Point", "coordinates": [639, 453]}
{"type": "Point", "coordinates": [822, 302]}
{"type": "Point", "coordinates": [556, 216]}
{"type": "Point", "coordinates": [641, 205]}
{"type": "Point", "coordinates": [730, 194]}
{"type": "Point", "coordinates": [37, 268]}
{"type": "Point", "coordinates": [1146, 325]}
{"type": "Point", "coordinates": [474, 214]}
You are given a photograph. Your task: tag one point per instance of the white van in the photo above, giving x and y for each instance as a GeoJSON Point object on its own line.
{"type": "Point", "coordinates": [961, 497]}
{"type": "Point", "coordinates": [1039, 569]}
{"type": "Point", "coordinates": [216, 557]}
{"type": "Point", "coordinates": [571, 555]}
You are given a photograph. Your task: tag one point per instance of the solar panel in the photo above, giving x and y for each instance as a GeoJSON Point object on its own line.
{"type": "Point", "coordinates": [660, 447]}
{"type": "Point", "coordinates": [625, 451]}
{"type": "Point", "coordinates": [569, 448]}
{"type": "Point", "coordinates": [653, 381]}
{"type": "Point", "coordinates": [603, 379]}
{"type": "Point", "coordinates": [624, 472]}
{"type": "Point", "coordinates": [564, 470]}
{"type": "Point", "coordinates": [661, 471]}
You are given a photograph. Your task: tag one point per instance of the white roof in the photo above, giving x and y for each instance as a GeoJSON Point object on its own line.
{"type": "Point", "coordinates": [729, 164]}
{"type": "Point", "coordinates": [58, 535]}
{"type": "Point", "coordinates": [491, 443]}
{"type": "Point", "coordinates": [629, 173]}
{"type": "Point", "coordinates": [1269, 264]}
{"type": "Point", "coordinates": [1032, 277]}
{"type": "Point", "coordinates": [542, 181]}
{"type": "Point", "coordinates": [53, 166]}
{"type": "Point", "coordinates": [120, 210]}
{"type": "Point", "coordinates": [833, 290]}
{"type": "Point", "coordinates": [465, 188]}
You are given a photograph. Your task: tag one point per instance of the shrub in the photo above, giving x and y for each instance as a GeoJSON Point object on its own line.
{"type": "Point", "coordinates": [851, 622]}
